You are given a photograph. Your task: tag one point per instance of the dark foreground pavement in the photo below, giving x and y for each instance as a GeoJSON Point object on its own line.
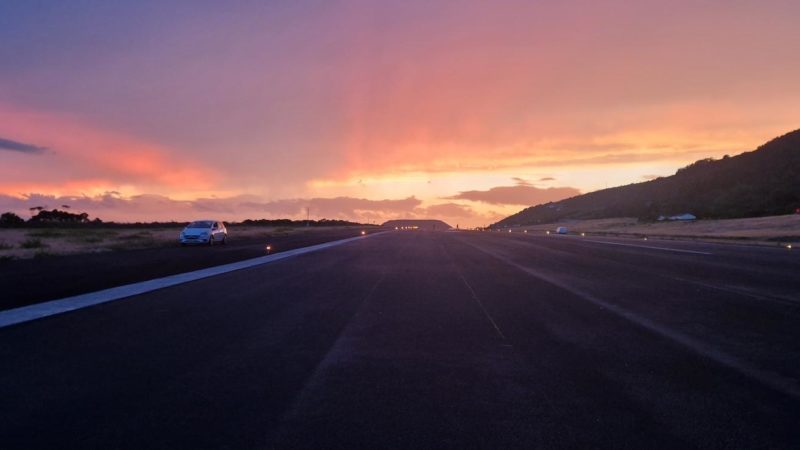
{"type": "Point", "coordinates": [420, 340]}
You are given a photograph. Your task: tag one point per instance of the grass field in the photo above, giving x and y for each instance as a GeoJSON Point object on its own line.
{"type": "Point", "coordinates": [40, 242]}
{"type": "Point", "coordinates": [774, 230]}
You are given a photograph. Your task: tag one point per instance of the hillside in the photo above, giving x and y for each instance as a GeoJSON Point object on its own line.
{"type": "Point", "coordinates": [762, 182]}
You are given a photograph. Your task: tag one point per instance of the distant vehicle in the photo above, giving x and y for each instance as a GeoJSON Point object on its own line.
{"type": "Point", "coordinates": [208, 232]}
{"type": "Point", "coordinates": [561, 230]}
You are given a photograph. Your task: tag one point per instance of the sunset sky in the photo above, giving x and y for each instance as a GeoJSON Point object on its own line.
{"type": "Point", "coordinates": [465, 111]}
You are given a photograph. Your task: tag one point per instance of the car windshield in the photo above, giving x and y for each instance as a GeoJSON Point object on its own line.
{"type": "Point", "coordinates": [201, 224]}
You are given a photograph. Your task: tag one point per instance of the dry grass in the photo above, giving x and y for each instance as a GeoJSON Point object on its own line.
{"type": "Point", "coordinates": [775, 229]}
{"type": "Point", "coordinates": [26, 243]}
{"type": "Point", "coordinates": [32, 243]}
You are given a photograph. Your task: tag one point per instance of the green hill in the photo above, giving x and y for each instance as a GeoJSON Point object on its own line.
{"type": "Point", "coordinates": [762, 182]}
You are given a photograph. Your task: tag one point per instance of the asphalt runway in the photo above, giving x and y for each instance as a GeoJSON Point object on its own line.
{"type": "Point", "coordinates": [428, 340]}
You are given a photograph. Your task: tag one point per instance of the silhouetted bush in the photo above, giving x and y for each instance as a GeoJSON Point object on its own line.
{"type": "Point", "coordinates": [9, 219]}
{"type": "Point", "coordinates": [32, 243]}
{"type": "Point", "coordinates": [56, 216]}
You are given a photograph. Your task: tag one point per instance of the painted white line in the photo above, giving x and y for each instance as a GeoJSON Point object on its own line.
{"type": "Point", "coordinates": [774, 380]}
{"type": "Point", "coordinates": [485, 312]}
{"type": "Point", "coordinates": [53, 307]}
{"type": "Point", "coordinates": [649, 246]}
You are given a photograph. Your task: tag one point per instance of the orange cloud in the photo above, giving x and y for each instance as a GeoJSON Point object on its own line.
{"type": "Point", "coordinates": [89, 186]}
{"type": "Point", "coordinates": [479, 96]}
{"type": "Point", "coordinates": [83, 157]}
{"type": "Point", "coordinates": [112, 206]}
{"type": "Point", "coordinates": [149, 207]}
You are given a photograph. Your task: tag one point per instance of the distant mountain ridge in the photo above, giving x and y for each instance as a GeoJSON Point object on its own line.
{"type": "Point", "coordinates": [762, 182]}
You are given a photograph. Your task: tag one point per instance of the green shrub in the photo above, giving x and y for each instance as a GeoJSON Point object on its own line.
{"type": "Point", "coordinates": [42, 254]}
{"type": "Point", "coordinates": [32, 243]}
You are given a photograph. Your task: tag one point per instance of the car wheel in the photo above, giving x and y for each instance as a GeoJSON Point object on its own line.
{"type": "Point", "coordinates": [211, 240]}
{"type": "Point", "coordinates": [224, 239]}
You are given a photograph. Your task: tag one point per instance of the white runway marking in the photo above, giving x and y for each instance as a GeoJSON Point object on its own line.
{"type": "Point", "coordinates": [473, 294]}
{"type": "Point", "coordinates": [741, 291]}
{"type": "Point", "coordinates": [51, 308]}
{"type": "Point", "coordinates": [649, 246]}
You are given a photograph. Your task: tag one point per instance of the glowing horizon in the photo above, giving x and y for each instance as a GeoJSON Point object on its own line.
{"type": "Point", "coordinates": [373, 111]}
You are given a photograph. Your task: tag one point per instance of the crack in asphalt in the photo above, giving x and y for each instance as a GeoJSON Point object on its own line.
{"type": "Point", "coordinates": [473, 294]}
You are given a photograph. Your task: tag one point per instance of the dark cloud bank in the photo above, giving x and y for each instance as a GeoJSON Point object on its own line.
{"type": "Point", "coordinates": [14, 146]}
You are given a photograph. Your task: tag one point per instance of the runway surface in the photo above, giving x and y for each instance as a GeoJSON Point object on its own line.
{"type": "Point", "coordinates": [428, 340]}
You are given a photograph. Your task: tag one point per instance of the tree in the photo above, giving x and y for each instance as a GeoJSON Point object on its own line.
{"type": "Point", "coordinates": [56, 216]}
{"type": "Point", "coordinates": [9, 219]}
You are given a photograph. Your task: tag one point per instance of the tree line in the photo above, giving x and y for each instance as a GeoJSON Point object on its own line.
{"type": "Point", "coordinates": [44, 217]}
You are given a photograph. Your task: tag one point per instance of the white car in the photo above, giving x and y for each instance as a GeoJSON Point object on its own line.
{"type": "Point", "coordinates": [207, 232]}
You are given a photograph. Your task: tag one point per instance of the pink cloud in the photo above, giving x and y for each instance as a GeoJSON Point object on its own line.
{"type": "Point", "coordinates": [112, 206]}
{"type": "Point", "coordinates": [368, 89]}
